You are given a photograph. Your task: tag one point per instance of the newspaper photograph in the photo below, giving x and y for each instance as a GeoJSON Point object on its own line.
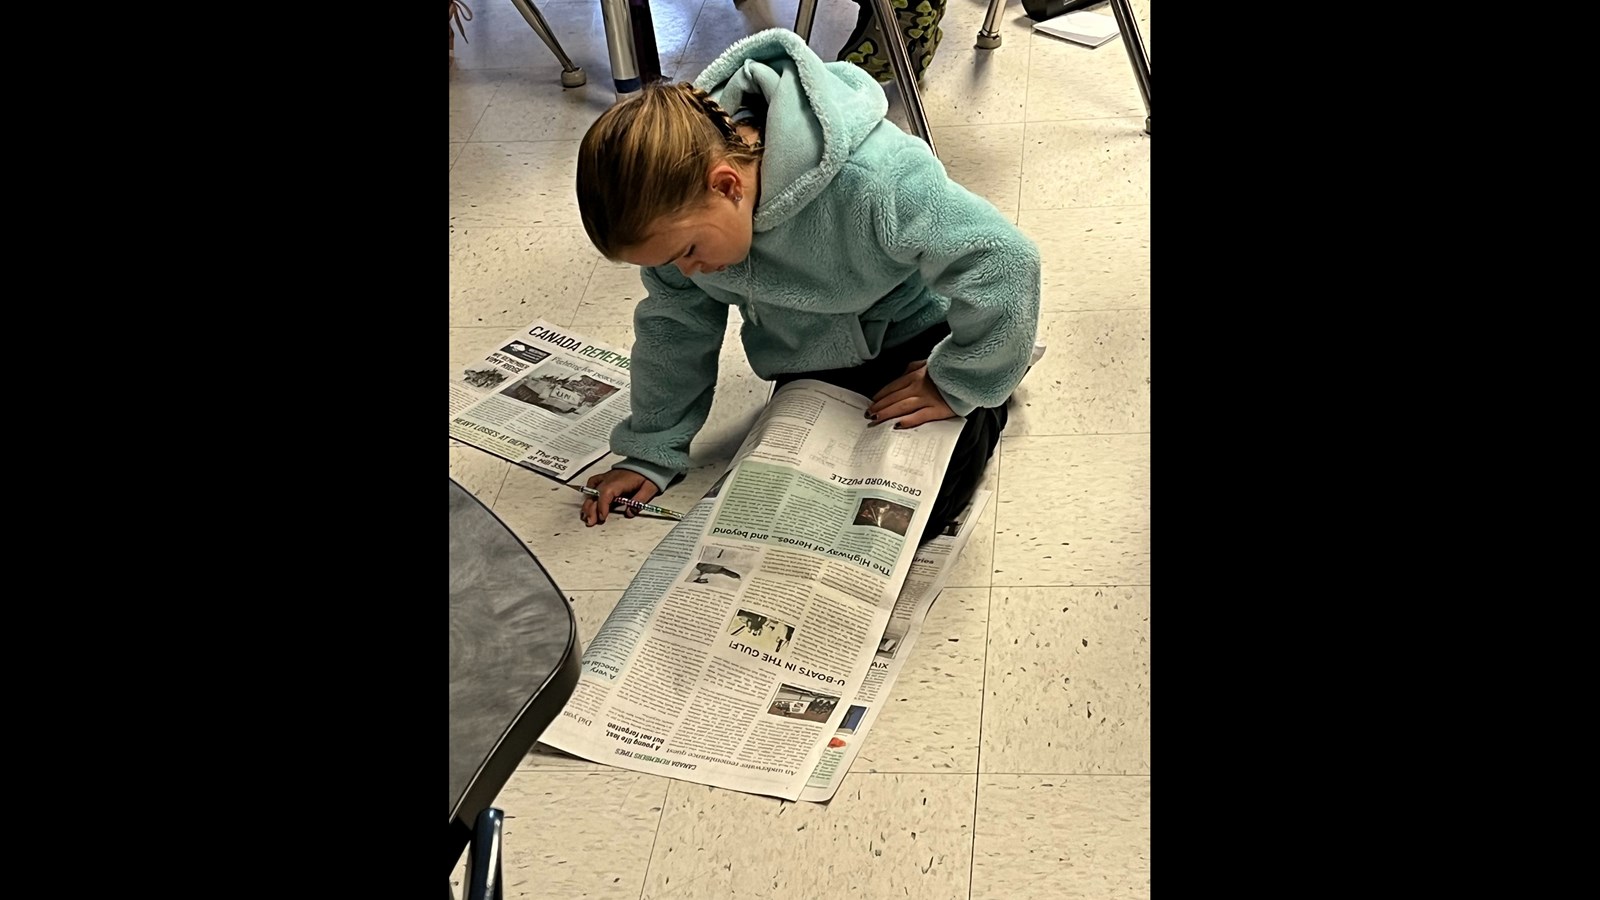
{"type": "Point", "coordinates": [929, 571]}
{"type": "Point", "coordinates": [728, 659]}
{"type": "Point", "coordinates": [545, 398]}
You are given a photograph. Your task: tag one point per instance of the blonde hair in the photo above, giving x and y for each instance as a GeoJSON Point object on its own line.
{"type": "Point", "coordinates": [648, 157]}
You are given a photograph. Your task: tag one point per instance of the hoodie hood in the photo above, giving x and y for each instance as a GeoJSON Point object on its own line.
{"type": "Point", "coordinates": [817, 114]}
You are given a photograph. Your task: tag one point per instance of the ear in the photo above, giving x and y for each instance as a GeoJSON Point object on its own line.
{"type": "Point", "coordinates": [725, 180]}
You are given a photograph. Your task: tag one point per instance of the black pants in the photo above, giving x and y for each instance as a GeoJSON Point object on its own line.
{"type": "Point", "coordinates": [974, 446]}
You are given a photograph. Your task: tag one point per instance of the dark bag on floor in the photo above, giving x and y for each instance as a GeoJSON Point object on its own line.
{"type": "Point", "coordinates": [1039, 10]}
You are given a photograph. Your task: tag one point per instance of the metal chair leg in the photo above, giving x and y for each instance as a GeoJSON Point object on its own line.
{"type": "Point", "coordinates": [619, 44]}
{"type": "Point", "coordinates": [1037, 10]}
{"type": "Point", "coordinates": [804, 17]}
{"type": "Point", "coordinates": [1129, 26]}
{"type": "Point", "coordinates": [904, 75]}
{"type": "Point", "coordinates": [485, 876]}
{"type": "Point", "coordinates": [571, 75]}
{"type": "Point", "coordinates": [988, 37]}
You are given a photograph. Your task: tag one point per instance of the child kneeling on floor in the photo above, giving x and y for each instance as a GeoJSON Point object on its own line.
{"type": "Point", "coordinates": [851, 255]}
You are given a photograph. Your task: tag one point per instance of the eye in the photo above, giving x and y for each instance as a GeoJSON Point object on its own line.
{"type": "Point", "coordinates": [690, 253]}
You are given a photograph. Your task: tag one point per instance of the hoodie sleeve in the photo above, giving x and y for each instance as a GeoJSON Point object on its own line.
{"type": "Point", "coordinates": [677, 337]}
{"type": "Point", "coordinates": [970, 253]}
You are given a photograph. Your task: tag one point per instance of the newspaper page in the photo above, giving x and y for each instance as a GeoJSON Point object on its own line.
{"type": "Point", "coordinates": [725, 660]}
{"type": "Point", "coordinates": [930, 569]}
{"type": "Point", "coordinates": [545, 398]}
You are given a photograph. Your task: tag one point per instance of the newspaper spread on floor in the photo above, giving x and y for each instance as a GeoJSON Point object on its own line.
{"type": "Point", "coordinates": [929, 572]}
{"type": "Point", "coordinates": [544, 398]}
{"type": "Point", "coordinates": [725, 660]}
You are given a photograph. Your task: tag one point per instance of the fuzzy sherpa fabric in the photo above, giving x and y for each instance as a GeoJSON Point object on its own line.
{"type": "Point", "coordinates": [861, 242]}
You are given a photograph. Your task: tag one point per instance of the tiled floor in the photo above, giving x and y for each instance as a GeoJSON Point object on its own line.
{"type": "Point", "coordinates": [1015, 758]}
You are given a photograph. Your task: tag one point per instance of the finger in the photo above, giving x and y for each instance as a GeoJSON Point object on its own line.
{"type": "Point", "coordinates": [901, 408]}
{"type": "Point", "coordinates": [590, 507]}
{"type": "Point", "coordinates": [641, 496]}
{"type": "Point", "coordinates": [915, 365]}
{"type": "Point", "coordinates": [900, 383]}
{"type": "Point", "coordinates": [930, 413]}
{"type": "Point", "coordinates": [875, 411]}
{"type": "Point", "coordinates": [608, 496]}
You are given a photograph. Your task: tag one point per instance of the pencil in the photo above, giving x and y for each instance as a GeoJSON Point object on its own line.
{"type": "Point", "coordinates": [635, 505]}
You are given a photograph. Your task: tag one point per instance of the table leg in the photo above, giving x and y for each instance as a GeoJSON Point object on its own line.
{"type": "Point", "coordinates": [619, 45]}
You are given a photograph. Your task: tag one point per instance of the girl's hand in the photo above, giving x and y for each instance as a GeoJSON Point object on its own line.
{"type": "Point", "coordinates": [913, 396]}
{"type": "Point", "coordinates": [611, 485]}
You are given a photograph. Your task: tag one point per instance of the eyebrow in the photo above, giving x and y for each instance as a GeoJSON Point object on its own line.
{"type": "Point", "coordinates": [679, 255]}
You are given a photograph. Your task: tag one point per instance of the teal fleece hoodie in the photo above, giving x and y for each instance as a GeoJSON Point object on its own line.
{"type": "Point", "coordinates": [861, 243]}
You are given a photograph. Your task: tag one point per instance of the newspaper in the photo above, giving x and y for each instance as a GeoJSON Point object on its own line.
{"type": "Point", "coordinates": [726, 660]}
{"type": "Point", "coordinates": [545, 398]}
{"type": "Point", "coordinates": [929, 572]}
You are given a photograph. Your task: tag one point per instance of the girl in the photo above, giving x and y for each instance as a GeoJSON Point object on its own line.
{"type": "Point", "coordinates": [851, 255]}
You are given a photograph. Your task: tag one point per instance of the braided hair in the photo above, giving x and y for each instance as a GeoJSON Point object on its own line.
{"type": "Point", "coordinates": [648, 157]}
{"type": "Point", "coordinates": [720, 118]}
